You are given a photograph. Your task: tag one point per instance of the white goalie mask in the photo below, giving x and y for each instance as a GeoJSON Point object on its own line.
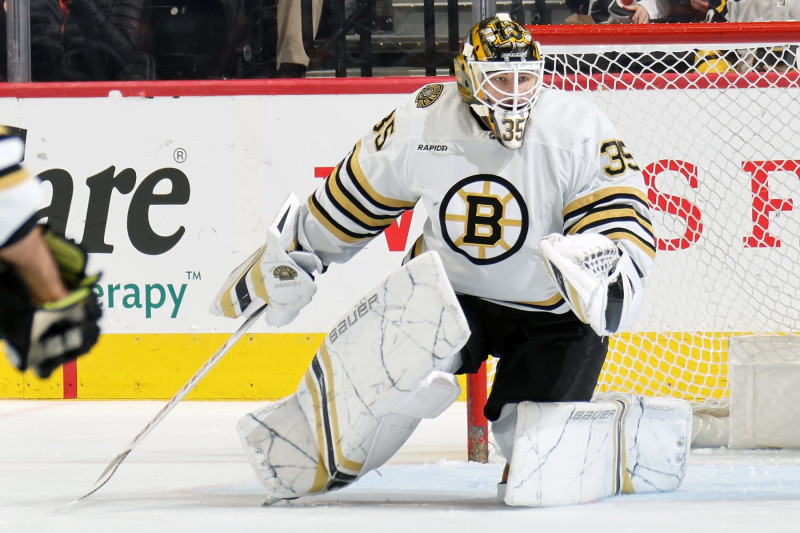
{"type": "Point", "coordinates": [500, 74]}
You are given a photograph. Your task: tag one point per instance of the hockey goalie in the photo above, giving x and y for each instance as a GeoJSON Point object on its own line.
{"type": "Point", "coordinates": [537, 246]}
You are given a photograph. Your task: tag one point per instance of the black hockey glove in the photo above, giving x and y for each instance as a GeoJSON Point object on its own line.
{"type": "Point", "coordinates": [44, 338]}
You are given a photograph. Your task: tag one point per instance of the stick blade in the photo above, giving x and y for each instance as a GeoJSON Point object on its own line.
{"type": "Point", "coordinates": [106, 475]}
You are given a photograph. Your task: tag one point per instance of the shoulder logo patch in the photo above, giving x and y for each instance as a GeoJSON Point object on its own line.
{"type": "Point", "coordinates": [428, 94]}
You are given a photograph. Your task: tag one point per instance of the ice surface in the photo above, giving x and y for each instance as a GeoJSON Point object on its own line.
{"type": "Point", "coordinates": [190, 476]}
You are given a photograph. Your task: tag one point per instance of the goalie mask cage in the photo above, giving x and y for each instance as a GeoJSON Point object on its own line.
{"type": "Point", "coordinates": [711, 114]}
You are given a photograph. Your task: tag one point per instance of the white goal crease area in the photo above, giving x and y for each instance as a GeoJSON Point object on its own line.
{"type": "Point", "coordinates": [711, 114]}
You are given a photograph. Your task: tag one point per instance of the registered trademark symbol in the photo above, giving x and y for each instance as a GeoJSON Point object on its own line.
{"type": "Point", "coordinates": [179, 155]}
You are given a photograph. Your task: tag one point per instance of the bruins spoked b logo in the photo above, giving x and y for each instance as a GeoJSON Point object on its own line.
{"type": "Point", "coordinates": [484, 218]}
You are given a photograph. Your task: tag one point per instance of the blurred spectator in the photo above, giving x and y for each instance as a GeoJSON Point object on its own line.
{"type": "Point", "coordinates": [627, 11]}
{"type": "Point", "coordinates": [762, 59]}
{"type": "Point", "coordinates": [194, 39]}
{"type": "Point", "coordinates": [292, 56]}
{"type": "Point", "coordinates": [752, 10]}
{"type": "Point", "coordinates": [88, 40]}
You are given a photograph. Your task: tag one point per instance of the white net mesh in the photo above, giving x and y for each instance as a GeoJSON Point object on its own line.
{"type": "Point", "coordinates": [716, 130]}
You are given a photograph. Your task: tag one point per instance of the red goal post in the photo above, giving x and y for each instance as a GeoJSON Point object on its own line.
{"type": "Point", "coordinates": [711, 112]}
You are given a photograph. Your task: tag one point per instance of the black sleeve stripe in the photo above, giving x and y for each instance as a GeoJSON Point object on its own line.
{"type": "Point", "coordinates": [352, 207]}
{"type": "Point", "coordinates": [619, 234]}
{"type": "Point", "coordinates": [575, 217]}
{"type": "Point", "coordinates": [615, 215]}
{"type": "Point", "coordinates": [551, 304]}
{"type": "Point", "coordinates": [344, 207]}
{"type": "Point", "coordinates": [361, 182]}
{"type": "Point", "coordinates": [339, 231]}
{"type": "Point", "coordinates": [628, 195]}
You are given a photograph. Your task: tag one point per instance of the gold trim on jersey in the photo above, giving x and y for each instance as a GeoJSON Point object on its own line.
{"type": "Point", "coordinates": [550, 304]}
{"type": "Point", "coordinates": [646, 247]}
{"type": "Point", "coordinates": [13, 176]}
{"type": "Point", "coordinates": [610, 212]}
{"type": "Point", "coordinates": [604, 195]}
{"type": "Point", "coordinates": [332, 226]}
{"type": "Point", "coordinates": [339, 198]}
{"type": "Point", "coordinates": [616, 217]}
{"type": "Point", "coordinates": [360, 179]}
{"type": "Point", "coordinates": [610, 215]}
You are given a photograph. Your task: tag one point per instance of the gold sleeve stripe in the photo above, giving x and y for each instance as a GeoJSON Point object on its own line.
{"type": "Point", "coordinates": [349, 206]}
{"type": "Point", "coordinates": [620, 235]}
{"type": "Point", "coordinates": [338, 231]}
{"type": "Point", "coordinates": [13, 176]}
{"type": "Point", "coordinates": [604, 195]}
{"type": "Point", "coordinates": [614, 214]}
{"type": "Point", "coordinates": [364, 186]}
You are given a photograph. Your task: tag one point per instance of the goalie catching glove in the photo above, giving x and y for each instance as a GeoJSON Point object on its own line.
{"type": "Point", "coordinates": [278, 274]}
{"type": "Point", "coordinates": [43, 338]}
{"type": "Point", "coordinates": [597, 278]}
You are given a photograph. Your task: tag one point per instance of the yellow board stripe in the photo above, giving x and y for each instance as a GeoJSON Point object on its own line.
{"type": "Point", "coordinates": [268, 366]}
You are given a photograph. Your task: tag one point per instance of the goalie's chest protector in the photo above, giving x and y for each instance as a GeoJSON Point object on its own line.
{"type": "Point", "coordinates": [488, 205]}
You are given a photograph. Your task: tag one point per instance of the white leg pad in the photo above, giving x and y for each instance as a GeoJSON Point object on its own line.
{"type": "Point", "coordinates": [563, 453]}
{"type": "Point", "coordinates": [280, 447]}
{"type": "Point", "coordinates": [577, 452]}
{"type": "Point", "coordinates": [657, 434]}
{"type": "Point", "coordinates": [436, 393]}
{"type": "Point", "coordinates": [377, 373]}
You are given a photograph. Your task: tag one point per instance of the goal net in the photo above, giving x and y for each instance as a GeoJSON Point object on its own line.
{"type": "Point", "coordinates": [711, 114]}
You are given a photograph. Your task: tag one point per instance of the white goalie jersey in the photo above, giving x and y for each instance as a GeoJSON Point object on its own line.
{"type": "Point", "coordinates": [488, 206]}
{"type": "Point", "coordinates": [19, 192]}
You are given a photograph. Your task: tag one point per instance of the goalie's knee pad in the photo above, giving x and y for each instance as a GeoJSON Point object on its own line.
{"type": "Point", "coordinates": [567, 453]}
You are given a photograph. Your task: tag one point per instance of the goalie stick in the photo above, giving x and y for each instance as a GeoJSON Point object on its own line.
{"type": "Point", "coordinates": [193, 381]}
